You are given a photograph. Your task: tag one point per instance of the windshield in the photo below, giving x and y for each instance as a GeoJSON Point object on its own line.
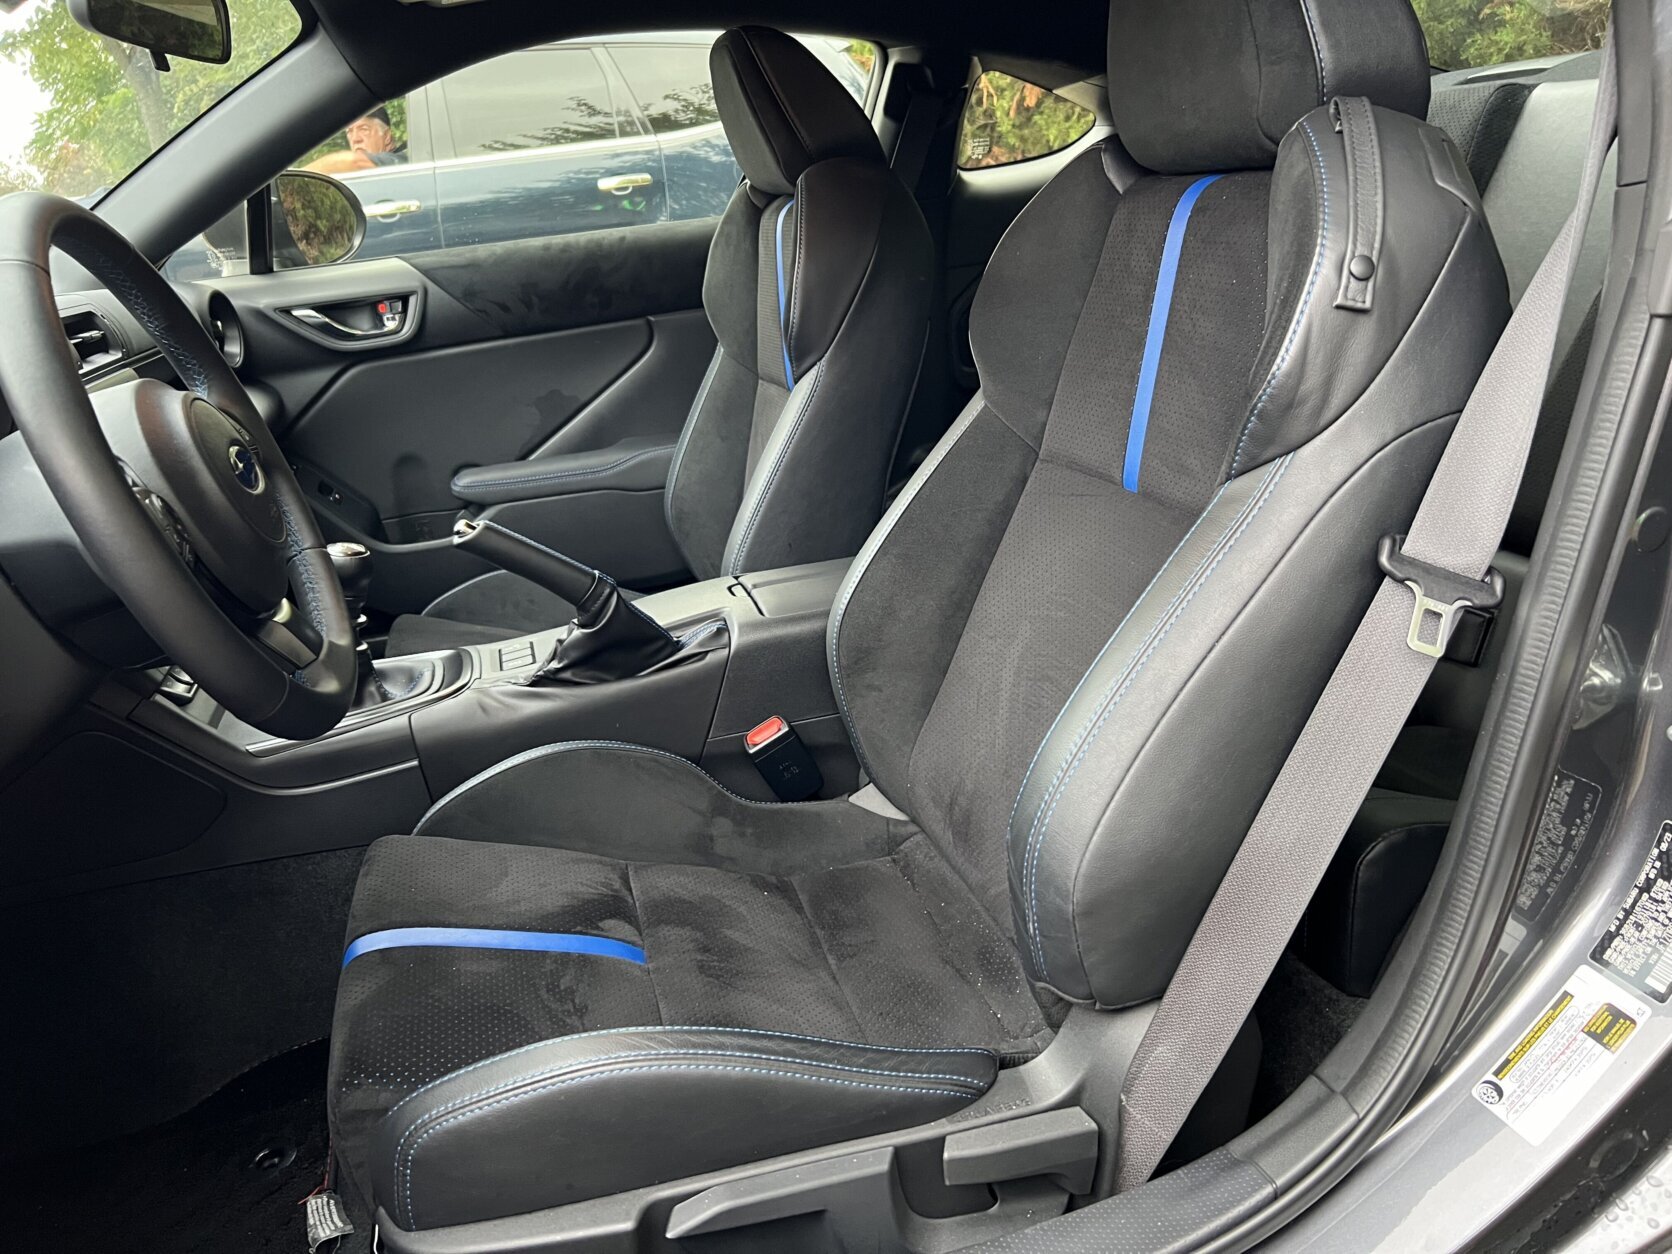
{"type": "Point", "coordinates": [79, 112]}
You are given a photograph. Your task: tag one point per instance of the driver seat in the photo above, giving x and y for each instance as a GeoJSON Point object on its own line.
{"type": "Point", "coordinates": [592, 968]}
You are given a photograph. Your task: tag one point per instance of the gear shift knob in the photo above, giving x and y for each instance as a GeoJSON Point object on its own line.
{"type": "Point", "coordinates": [353, 563]}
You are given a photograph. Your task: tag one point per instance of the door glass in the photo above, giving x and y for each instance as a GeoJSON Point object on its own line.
{"type": "Point", "coordinates": [546, 141]}
{"type": "Point", "coordinates": [537, 99]}
{"type": "Point", "coordinates": [669, 83]}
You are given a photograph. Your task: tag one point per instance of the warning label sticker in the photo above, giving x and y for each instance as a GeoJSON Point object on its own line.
{"type": "Point", "coordinates": [1638, 944]}
{"type": "Point", "coordinates": [1554, 1064]}
{"type": "Point", "coordinates": [1564, 829]}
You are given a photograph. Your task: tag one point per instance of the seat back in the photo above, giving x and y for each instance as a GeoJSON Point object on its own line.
{"type": "Point", "coordinates": [818, 290]}
{"type": "Point", "coordinates": [1217, 364]}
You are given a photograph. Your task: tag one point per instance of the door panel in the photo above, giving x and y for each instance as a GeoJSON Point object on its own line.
{"type": "Point", "coordinates": [538, 347]}
{"type": "Point", "coordinates": [397, 429]}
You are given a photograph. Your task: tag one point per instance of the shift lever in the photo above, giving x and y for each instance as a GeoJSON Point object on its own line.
{"type": "Point", "coordinates": [610, 637]}
{"type": "Point", "coordinates": [353, 563]}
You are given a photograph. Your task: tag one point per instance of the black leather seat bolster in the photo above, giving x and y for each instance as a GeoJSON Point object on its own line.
{"type": "Point", "coordinates": [637, 465]}
{"type": "Point", "coordinates": [602, 1112]}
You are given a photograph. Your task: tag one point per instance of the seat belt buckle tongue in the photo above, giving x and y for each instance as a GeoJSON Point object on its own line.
{"type": "Point", "coordinates": [1439, 592]}
{"type": "Point", "coordinates": [783, 761]}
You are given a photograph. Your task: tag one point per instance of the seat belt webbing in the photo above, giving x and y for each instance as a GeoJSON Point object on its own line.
{"type": "Point", "coordinates": [1458, 528]}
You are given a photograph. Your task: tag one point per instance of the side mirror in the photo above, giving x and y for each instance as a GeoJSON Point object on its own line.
{"type": "Point", "coordinates": [197, 30]}
{"type": "Point", "coordinates": [316, 220]}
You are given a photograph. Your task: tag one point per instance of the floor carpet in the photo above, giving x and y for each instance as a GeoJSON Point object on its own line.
{"type": "Point", "coordinates": [227, 1177]}
{"type": "Point", "coordinates": [1301, 1017]}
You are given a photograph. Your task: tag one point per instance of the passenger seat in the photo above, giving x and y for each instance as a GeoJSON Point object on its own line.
{"type": "Point", "coordinates": [818, 290]}
{"type": "Point", "coordinates": [1523, 139]}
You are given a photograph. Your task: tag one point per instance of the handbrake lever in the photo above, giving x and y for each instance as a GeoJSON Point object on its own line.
{"type": "Point", "coordinates": [610, 637]}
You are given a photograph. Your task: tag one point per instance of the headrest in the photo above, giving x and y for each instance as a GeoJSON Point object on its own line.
{"type": "Point", "coordinates": [782, 110]}
{"type": "Point", "coordinates": [1197, 86]}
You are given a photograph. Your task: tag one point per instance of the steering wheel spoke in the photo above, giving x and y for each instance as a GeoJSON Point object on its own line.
{"type": "Point", "coordinates": [182, 500]}
{"type": "Point", "coordinates": [289, 635]}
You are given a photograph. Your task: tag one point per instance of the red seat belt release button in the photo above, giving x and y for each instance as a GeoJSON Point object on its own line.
{"type": "Point", "coordinates": [783, 761]}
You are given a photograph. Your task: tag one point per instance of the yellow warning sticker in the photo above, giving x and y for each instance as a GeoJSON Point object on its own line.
{"type": "Point", "coordinates": [1562, 1054]}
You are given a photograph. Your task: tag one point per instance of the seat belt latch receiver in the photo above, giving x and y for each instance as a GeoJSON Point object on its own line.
{"type": "Point", "coordinates": [783, 761]}
{"type": "Point", "coordinates": [1443, 593]}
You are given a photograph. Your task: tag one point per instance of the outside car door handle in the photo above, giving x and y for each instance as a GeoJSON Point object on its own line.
{"type": "Point", "coordinates": [621, 184]}
{"type": "Point", "coordinates": [389, 210]}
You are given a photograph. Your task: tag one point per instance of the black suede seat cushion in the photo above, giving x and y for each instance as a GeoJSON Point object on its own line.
{"type": "Point", "coordinates": [889, 949]}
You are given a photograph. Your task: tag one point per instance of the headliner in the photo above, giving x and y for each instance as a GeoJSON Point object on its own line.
{"type": "Point", "coordinates": [395, 47]}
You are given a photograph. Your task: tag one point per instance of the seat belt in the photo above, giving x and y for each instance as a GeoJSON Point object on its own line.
{"type": "Point", "coordinates": [1456, 532]}
{"type": "Point", "coordinates": [917, 129]}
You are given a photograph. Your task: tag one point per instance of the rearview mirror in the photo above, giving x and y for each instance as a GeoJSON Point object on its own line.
{"type": "Point", "coordinates": [316, 220]}
{"type": "Point", "coordinates": [195, 29]}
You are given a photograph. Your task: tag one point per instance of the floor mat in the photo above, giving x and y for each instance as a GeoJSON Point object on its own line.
{"type": "Point", "coordinates": [225, 1178]}
{"type": "Point", "coordinates": [1301, 1017]}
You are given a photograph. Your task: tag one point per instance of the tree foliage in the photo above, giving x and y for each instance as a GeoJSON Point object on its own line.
{"type": "Point", "coordinates": [1490, 32]}
{"type": "Point", "coordinates": [108, 108]}
{"type": "Point", "coordinates": [1010, 120]}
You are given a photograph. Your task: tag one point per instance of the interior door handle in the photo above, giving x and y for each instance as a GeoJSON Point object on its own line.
{"type": "Point", "coordinates": [621, 184]}
{"type": "Point", "coordinates": [323, 322]}
{"type": "Point", "coordinates": [360, 323]}
{"type": "Point", "coordinates": [389, 210]}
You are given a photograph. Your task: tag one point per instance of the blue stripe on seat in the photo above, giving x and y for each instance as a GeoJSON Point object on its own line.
{"type": "Point", "coordinates": [778, 248]}
{"type": "Point", "coordinates": [1160, 307]}
{"type": "Point", "coordinates": [490, 938]}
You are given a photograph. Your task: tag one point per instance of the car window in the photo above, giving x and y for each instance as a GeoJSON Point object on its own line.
{"type": "Point", "coordinates": [546, 141]}
{"type": "Point", "coordinates": [1466, 33]}
{"type": "Point", "coordinates": [669, 83]}
{"type": "Point", "coordinates": [79, 112]}
{"type": "Point", "coordinates": [1007, 120]}
{"type": "Point", "coordinates": [537, 99]}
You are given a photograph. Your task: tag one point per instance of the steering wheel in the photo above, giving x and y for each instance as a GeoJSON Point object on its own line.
{"type": "Point", "coordinates": [182, 500]}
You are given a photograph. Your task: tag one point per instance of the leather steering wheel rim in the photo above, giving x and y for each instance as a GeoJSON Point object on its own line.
{"type": "Point", "coordinates": [259, 667]}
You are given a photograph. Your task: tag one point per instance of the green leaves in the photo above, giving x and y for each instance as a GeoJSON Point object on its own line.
{"type": "Point", "coordinates": [108, 108]}
{"type": "Point", "coordinates": [1489, 32]}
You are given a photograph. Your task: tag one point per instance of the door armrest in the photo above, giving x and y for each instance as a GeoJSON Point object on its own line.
{"type": "Point", "coordinates": [636, 465]}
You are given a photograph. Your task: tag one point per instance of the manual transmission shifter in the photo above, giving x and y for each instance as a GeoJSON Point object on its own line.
{"type": "Point", "coordinates": [396, 678]}
{"type": "Point", "coordinates": [610, 637]}
{"type": "Point", "coordinates": [353, 564]}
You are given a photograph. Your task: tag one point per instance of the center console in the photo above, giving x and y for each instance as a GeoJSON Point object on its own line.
{"type": "Point", "coordinates": [747, 648]}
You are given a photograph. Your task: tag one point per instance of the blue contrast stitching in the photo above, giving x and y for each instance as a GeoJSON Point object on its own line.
{"type": "Point", "coordinates": [975, 1085]}
{"type": "Point", "coordinates": [739, 556]}
{"type": "Point", "coordinates": [412, 1156]}
{"type": "Point", "coordinates": [1113, 701]}
{"type": "Point", "coordinates": [557, 475]}
{"type": "Point", "coordinates": [1108, 644]}
{"type": "Point", "coordinates": [688, 1027]}
{"type": "Point", "coordinates": [564, 746]}
{"type": "Point", "coordinates": [700, 633]}
{"type": "Point", "coordinates": [1073, 754]}
{"type": "Point", "coordinates": [1305, 303]}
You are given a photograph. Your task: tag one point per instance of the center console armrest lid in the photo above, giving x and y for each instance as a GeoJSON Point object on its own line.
{"type": "Point", "coordinates": [796, 589]}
